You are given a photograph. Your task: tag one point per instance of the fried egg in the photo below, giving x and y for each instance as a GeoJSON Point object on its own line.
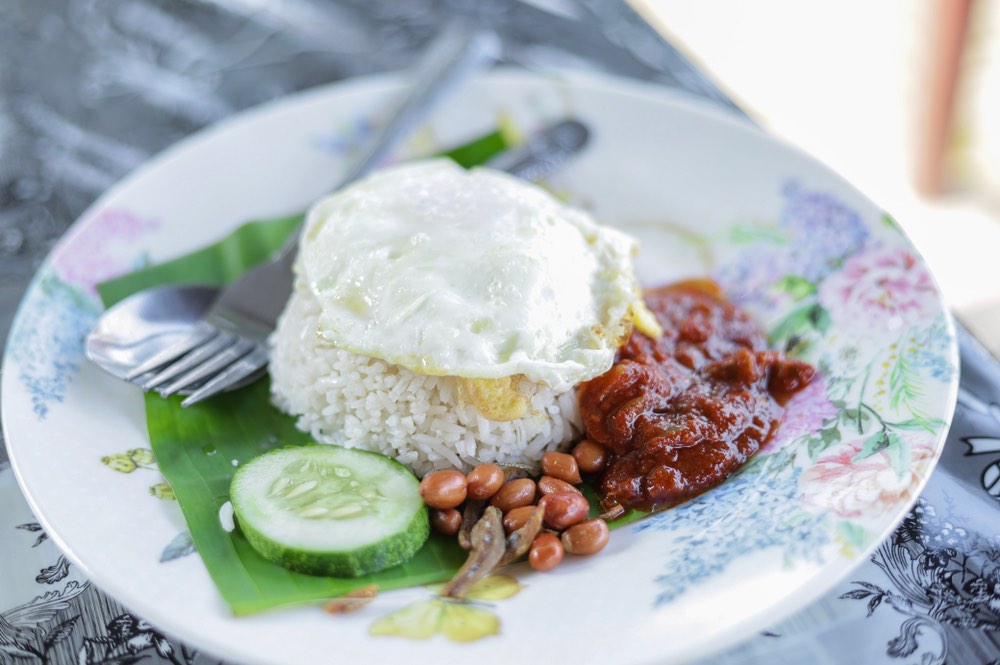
{"type": "Point", "coordinates": [468, 273]}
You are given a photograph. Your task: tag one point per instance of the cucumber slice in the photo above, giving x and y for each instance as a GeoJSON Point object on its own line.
{"type": "Point", "coordinates": [325, 510]}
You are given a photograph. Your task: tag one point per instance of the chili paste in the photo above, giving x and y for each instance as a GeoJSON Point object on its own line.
{"type": "Point", "coordinates": [681, 412]}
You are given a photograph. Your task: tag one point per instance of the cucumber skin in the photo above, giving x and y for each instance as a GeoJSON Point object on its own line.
{"type": "Point", "coordinates": [392, 551]}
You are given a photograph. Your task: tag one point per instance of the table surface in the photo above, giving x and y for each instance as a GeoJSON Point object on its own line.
{"type": "Point", "coordinates": [90, 89]}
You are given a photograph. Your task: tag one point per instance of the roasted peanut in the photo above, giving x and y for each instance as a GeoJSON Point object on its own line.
{"type": "Point", "coordinates": [562, 466]}
{"type": "Point", "coordinates": [564, 509]}
{"type": "Point", "coordinates": [443, 489]}
{"type": "Point", "coordinates": [447, 521]}
{"type": "Point", "coordinates": [517, 517]}
{"type": "Point", "coordinates": [590, 457]}
{"type": "Point", "coordinates": [514, 494]}
{"type": "Point", "coordinates": [587, 537]}
{"type": "Point", "coordinates": [546, 552]}
{"type": "Point", "coordinates": [550, 485]}
{"type": "Point", "coordinates": [484, 480]}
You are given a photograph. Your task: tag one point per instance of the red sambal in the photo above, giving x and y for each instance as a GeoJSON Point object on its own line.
{"type": "Point", "coordinates": [682, 412]}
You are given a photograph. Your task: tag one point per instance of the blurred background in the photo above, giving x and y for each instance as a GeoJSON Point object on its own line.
{"type": "Point", "coordinates": [901, 97]}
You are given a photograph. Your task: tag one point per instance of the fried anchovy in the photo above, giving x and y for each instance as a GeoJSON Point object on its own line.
{"type": "Point", "coordinates": [488, 547]}
{"type": "Point", "coordinates": [352, 601]}
{"type": "Point", "coordinates": [612, 509]}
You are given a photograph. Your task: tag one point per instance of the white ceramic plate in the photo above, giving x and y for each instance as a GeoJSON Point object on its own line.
{"type": "Point", "coordinates": [706, 193]}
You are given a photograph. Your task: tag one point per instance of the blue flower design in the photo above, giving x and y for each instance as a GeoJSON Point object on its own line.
{"type": "Point", "coordinates": [755, 513]}
{"type": "Point", "coordinates": [349, 138]}
{"type": "Point", "coordinates": [822, 231]}
{"type": "Point", "coordinates": [930, 353]}
{"type": "Point", "coordinates": [819, 231]}
{"type": "Point", "coordinates": [47, 341]}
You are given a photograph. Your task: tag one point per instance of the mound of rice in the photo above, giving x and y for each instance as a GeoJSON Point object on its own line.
{"type": "Point", "coordinates": [361, 402]}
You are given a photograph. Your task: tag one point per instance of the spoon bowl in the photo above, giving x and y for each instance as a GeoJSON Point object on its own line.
{"type": "Point", "coordinates": [144, 324]}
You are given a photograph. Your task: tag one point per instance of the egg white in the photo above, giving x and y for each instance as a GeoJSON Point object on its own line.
{"type": "Point", "coordinates": [473, 274]}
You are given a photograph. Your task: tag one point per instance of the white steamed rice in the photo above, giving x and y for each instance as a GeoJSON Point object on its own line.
{"type": "Point", "coordinates": [361, 402]}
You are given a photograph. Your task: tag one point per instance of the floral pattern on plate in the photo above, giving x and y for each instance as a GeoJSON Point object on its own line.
{"type": "Point", "coordinates": [62, 306]}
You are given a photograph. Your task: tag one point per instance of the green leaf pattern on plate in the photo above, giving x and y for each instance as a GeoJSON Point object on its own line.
{"type": "Point", "coordinates": [139, 458]}
{"type": "Point", "coordinates": [458, 620]}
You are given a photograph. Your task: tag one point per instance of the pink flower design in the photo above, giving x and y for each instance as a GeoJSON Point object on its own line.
{"type": "Point", "coordinates": [103, 248]}
{"type": "Point", "coordinates": [805, 413]}
{"type": "Point", "coordinates": [884, 288]}
{"type": "Point", "coordinates": [869, 486]}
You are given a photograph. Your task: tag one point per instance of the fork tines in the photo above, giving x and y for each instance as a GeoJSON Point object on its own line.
{"type": "Point", "coordinates": [207, 362]}
{"type": "Point", "coordinates": [245, 366]}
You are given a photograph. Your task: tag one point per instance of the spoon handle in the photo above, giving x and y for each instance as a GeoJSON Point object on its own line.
{"type": "Point", "coordinates": [460, 51]}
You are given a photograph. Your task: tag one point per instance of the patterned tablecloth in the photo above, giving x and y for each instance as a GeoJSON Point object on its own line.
{"type": "Point", "coordinates": [90, 89]}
